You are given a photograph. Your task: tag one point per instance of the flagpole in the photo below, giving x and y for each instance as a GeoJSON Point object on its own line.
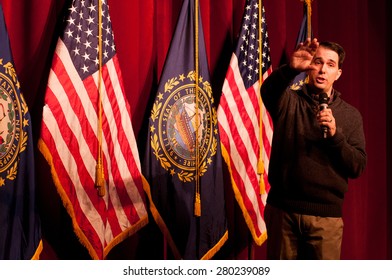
{"type": "Point", "coordinates": [308, 4]}
{"type": "Point", "coordinates": [197, 209]}
{"type": "Point", "coordinates": [260, 165]}
{"type": "Point", "coordinates": [100, 176]}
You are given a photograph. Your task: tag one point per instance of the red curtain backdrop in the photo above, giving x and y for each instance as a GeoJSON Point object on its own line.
{"type": "Point", "coordinates": [143, 30]}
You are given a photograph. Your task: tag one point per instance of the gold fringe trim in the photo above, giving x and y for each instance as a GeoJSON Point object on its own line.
{"type": "Point", "coordinates": [66, 202]}
{"type": "Point", "coordinates": [166, 233]}
{"type": "Point", "coordinates": [69, 207]}
{"type": "Point", "coordinates": [217, 247]}
{"type": "Point", "coordinates": [160, 222]}
{"type": "Point", "coordinates": [259, 240]}
{"type": "Point", "coordinates": [38, 251]}
{"type": "Point", "coordinates": [125, 234]}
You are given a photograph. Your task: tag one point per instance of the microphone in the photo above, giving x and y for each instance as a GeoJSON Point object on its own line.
{"type": "Point", "coordinates": [323, 104]}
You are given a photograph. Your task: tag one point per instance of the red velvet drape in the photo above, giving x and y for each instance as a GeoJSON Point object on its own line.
{"type": "Point", "coordinates": [143, 30]}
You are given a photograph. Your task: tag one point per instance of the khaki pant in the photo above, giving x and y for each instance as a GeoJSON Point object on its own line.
{"type": "Point", "coordinates": [294, 236]}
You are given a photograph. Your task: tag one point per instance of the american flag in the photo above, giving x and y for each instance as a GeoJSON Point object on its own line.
{"type": "Point", "coordinates": [245, 143]}
{"type": "Point", "coordinates": [70, 132]}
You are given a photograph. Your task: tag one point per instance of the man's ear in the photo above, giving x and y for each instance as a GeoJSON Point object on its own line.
{"type": "Point", "coordinates": [339, 74]}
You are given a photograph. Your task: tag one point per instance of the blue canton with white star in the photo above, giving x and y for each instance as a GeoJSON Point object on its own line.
{"type": "Point", "coordinates": [81, 36]}
{"type": "Point", "coordinates": [248, 51]}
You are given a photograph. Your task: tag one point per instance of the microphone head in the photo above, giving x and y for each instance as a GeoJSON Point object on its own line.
{"type": "Point", "coordinates": [323, 98]}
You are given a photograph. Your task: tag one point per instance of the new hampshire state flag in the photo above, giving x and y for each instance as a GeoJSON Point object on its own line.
{"type": "Point", "coordinates": [20, 232]}
{"type": "Point", "coordinates": [183, 163]}
{"type": "Point", "coordinates": [304, 32]}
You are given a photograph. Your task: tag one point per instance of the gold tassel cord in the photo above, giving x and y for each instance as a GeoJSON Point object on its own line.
{"type": "Point", "coordinates": [197, 210]}
{"type": "Point", "coordinates": [100, 176]}
{"type": "Point", "coordinates": [260, 163]}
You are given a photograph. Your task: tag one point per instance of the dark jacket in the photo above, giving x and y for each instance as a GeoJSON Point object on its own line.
{"type": "Point", "coordinates": [307, 173]}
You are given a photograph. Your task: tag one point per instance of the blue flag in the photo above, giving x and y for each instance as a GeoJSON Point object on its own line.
{"type": "Point", "coordinates": [183, 162]}
{"type": "Point", "coordinates": [303, 34]}
{"type": "Point", "coordinates": [20, 232]}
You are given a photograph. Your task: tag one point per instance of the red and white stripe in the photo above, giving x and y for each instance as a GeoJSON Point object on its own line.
{"type": "Point", "coordinates": [239, 126]}
{"type": "Point", "coordinates": [69, 141]}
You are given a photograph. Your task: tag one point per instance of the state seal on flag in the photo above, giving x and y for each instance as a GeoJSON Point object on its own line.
{"type": "Point", "coordinates": [13, 140]}
{"type": "Point", "coordinates": [184, 127]}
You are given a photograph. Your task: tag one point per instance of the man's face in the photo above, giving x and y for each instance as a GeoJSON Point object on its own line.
{"type": "Point", "coordinates": [326, 70]}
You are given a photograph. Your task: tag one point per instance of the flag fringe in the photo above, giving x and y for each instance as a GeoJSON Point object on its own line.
{"type": "Point", "coordinates": [68, 206]}
{"type": "Point", "coordinates": [165, 231]}
{"type": "Point", "coordinates": [66, 202]}
{"type": "Point", "coordinates": [159, 220]}
{"type": "Point", "coordinates": [259, 239]}
{"type": "Point", "coordinates": [217, 247]}
{"type": "Point", "coordinates": [38, 251]}
{"type": "Point", "coordinates": [125, 234]}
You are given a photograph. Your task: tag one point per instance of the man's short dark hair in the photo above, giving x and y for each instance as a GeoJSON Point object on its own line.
{"type": "Point", "coordinates": [336, 48]}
